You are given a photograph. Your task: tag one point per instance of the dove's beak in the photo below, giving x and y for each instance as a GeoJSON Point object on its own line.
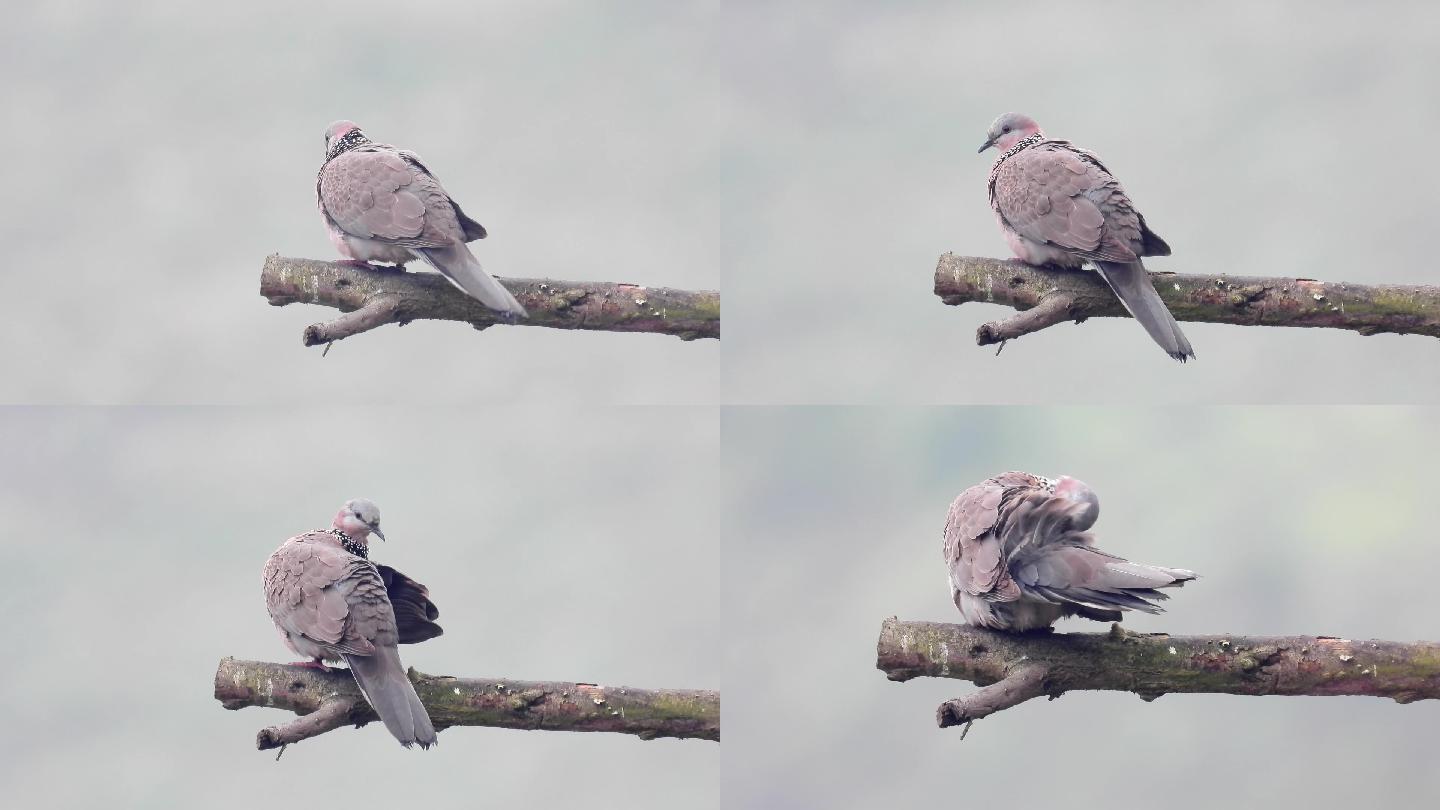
{"type": "Point", "coordinates": [378, 533]}
{"type": "Point", "coordinates": [985, 146]}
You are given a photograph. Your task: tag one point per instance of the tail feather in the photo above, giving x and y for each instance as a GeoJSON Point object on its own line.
{"type": "Point", "coordinates": [382, 679]}
{"type": "Point", "coordinates": [1133, 287]}
{"type": "Point", "coordinates": [460, 266]}
{"type": "Point", "coordinates": [1087, 612]}
{"type": "Point", "coordinates": [1086, 581]}
{"type": "Point", "coordinates": [1126, 574]}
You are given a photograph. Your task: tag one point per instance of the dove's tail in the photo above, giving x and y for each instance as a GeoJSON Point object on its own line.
{"type": "Point", "coordinates": [1098, 585]}
{"type": "Point", "coordinates": [382, 678]}
{"type": "Point", "coordinates": [460, 266]}
{"type": "Point", "coordinates": [1132, 286]}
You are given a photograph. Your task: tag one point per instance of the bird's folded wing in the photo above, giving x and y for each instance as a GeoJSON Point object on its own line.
{"type": "Point", "coordinates": [1049, 195]}
{"type": "Point", "coordinates": [472, 229]}
{"type": "Point", "coordinates": [310, 589]}
{"type": "Point", "coordinates": [376, 194]}
{"type": "Point", "coordinates": [972, 551]}
{"type": "Point", "coordinates": [372, 620]}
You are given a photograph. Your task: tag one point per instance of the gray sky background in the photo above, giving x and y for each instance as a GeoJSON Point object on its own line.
{"type": "Point", "coordinates": [166, 148]}
{"type": "Point", "coordinates": [561, 546]}
{"type": "Point", "coordinates": [1300, 521]}
{"type": "Point", "coordinates": [1258, 138]}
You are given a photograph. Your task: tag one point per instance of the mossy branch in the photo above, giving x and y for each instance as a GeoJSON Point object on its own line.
{"type": "Point", "coordinates": [1013, 668]}
{"type": "Point", "coordinates": [1046, 296]}
{"type": "Point", "coordinates": [328, 700]}
{"type": "Point", "coordinates": [372, 297]}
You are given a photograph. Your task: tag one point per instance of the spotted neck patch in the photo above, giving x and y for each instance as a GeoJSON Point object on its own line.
{"type": "Point", "coordinates": [1020, 146]}
{"type": "Point", "coordinates": [350, 545]}
{"type": "Point", "coordinates": [348, 141]}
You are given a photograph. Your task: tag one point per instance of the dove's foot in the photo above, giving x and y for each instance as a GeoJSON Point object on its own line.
{"type": "Point", "coordinates": [315, 664]}
{"type": "Point", "coordinates": [359, 265]}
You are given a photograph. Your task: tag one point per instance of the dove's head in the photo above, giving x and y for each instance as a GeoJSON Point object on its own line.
{"type": "Point", "coordinates": [1008, 130]}
{"type": "Point", "coordinates": [1081, 494]}
{"type": "Point", "coordinates": [341, 136]}
{"type": "Point", "coordinates": [358, 518]}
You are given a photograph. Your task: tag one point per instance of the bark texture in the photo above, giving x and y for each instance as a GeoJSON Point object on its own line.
{"type": "Point", "coordinates": [329, 700]}
{"type": "Point", "coordinates": [1047, 296]}
{"type": "Point", "coordinates": [373, 297]}
{"type": "Point", "coordinates": [1013, 668]}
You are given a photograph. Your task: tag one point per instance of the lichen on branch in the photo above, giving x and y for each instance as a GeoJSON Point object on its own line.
{"type": "Point", "coordinates": [328, 700]}
{"type": "Point", "coordinates": [1046, 296]}
{"type": "Point", "coordinates": [372, 297]}
{"type": "Point", "coordinates": [1014, 667]}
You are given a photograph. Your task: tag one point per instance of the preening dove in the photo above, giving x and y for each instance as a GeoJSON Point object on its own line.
{"type": "Point", "coordinates": [330, 603]}
{"type": "Point", "coordinates": [1058, 204]}
{"type": "Point", "coordinates": [381, 204]}
{"type": "Point", "coordinates": [1020, 557]}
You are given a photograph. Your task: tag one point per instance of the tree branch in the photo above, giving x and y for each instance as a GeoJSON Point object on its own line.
{"type": "Point", "coordinates": [1054, 295]}
{"type": "Point", "coordinates": [1024, 683]}
{"type": "Point", "coordinates": [1015, 667]}
{"type": "Point", "coordinates": [374, 297]}
{"type": "Point", "coordinates": [328, 700]}
{"type": "Point", "coordinates": [332, 713]}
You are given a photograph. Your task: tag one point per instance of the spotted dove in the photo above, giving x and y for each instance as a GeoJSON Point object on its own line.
{"type": "Point", "coordinates": [382, 204]}
{"type": "Point", "coordinates": [330, 603]}
{"type": "Point", "coordinates": [1020, 557]}
{"type": "Point", "coordinates": [1059, 205]}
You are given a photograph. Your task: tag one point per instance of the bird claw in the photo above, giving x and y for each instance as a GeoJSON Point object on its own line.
{"type": "Point", "coordinates": [320, 665]}
{"type": "Point", "coordinates": [359, 265]}
{"type": "Point", "coordinates": [376, 268]}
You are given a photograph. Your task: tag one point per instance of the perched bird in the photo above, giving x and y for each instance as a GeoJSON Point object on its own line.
{"type": "Point", "coordinates": [330, 603]}
{"type": "Point", "coordinates": [1057, 204]}
{"type": "Point", "coordinates": [1020, 557]}
{"type": "Point", "coordinates": [381, 204]}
